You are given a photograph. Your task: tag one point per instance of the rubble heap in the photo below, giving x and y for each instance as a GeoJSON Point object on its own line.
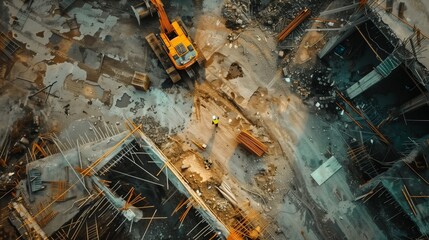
{"type": "Point", "coordinates": [278, 13]}
{"type": "Point", "coordinates": [153, 129]}
{"type": "Point", "coordinates": [236, 13]}
{"type": "Point", "coordinates": [316, 87]}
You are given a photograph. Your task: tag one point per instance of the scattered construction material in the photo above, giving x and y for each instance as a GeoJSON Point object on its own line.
{"type": "Point", "coordinates": [27, 224]}
{"type": "Point", "coordinates": [74, 173]}
{"type": "Point", "coordinates": [294, 24]}
{"type": "Point", "coordinates": [252, 143]}
{"type": "Point", "coordinates": [201, 146]}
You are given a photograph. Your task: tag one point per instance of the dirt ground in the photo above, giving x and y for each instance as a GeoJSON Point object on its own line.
{"type": "Point", "coordinates": [241, 83]}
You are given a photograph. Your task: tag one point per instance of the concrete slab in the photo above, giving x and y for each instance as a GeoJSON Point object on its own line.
{"type": "Point", "coordinates": [326, 170]}
{"type": "Point", "coordinates": [91, 20]}
{"type": "Point", "coordinates": [416, 14]}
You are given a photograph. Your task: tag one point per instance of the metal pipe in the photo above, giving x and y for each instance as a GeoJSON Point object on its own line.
{"type": "Point", "coordinates": [142, 179]}
{"type": "Point", "coordinates": [150, 221]}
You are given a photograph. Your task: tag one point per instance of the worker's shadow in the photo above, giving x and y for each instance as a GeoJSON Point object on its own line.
{"type": "Point", "coordinates": [211, 140]}
{"type": "Point", "coordinates": [201, 74]}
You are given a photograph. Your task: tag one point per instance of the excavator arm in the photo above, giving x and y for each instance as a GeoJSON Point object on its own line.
{"type": "Point", "coordinates": [165, 23]}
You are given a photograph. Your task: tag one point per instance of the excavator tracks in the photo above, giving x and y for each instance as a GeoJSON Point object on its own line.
{"type": "Point", "coordinates": [156, 46]}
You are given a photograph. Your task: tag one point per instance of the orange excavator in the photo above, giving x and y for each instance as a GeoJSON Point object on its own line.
{"type": "Point", "coordinates": [173, 45]}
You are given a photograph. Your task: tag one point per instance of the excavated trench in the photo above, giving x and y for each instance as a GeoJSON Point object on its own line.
{"type": "Point", "coordinates": [162, 199]}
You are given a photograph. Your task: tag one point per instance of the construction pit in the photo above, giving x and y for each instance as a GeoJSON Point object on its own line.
{"type": "Point", "coordinates": [322, 107]}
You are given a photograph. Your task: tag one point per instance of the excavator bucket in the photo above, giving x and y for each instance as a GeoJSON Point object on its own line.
{"type": "Point", "coordinates": [142, 10]}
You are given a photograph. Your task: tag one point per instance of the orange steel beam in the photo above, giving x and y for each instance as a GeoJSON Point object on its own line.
{"type": "Point", "coordinates": [147, 206]}
{"type": "Point", "coordinates": [87, 171]}
{"type": "Point", "coordinates": [295, 22]}
{"type": "Point", "coordinates": [130, 194]}
{"type": "Point", "coordinates": [181, 204]}
{"type": "Point", "coordinates": [137, 199]}
{"type": "Point", "coordinates": [188, 208]}
{"type": "Point", "coordinates": [369, 44]}
{"type": "Point", "coordinates": [252, 143]}
{"type": "Point", "coordinates": [160, 170]}
{"type": "Point", "coordinates": [214, 236]}
{"type": "Point", "coordinates": [39, 148]}
{"type": "Point", "coordinates": [132, 202]}
{"type": "Point", "coordinates": [3, 163]}
{"type": "Point", "coordinates": [348, 114]}
{"type": "Point", "coordinates": [373, 128]}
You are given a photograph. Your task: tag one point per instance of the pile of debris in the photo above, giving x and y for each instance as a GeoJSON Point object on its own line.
{"type": "Point", "coordinates": [153, 129]}
{"type": "Point", "coordinates": [208, 163]}
{"type": "Point", "coordinates": [317, 87]}
{"type": "Point", "coordinates": [279, 13]}
{"type": "Point", "coordinates": [301, 88]}
{"type": "Point", "coordinates": [265, 179]}
{"type": "Point", "coordinates": [8, 181]}
{"type": "Point", "coordinates": [236, 13]}
{"type": "Point", "coordinates": [273, 14]}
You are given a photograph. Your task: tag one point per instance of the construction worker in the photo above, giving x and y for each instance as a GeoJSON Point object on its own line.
{"type": "Point", "coordinates": [215, 120]}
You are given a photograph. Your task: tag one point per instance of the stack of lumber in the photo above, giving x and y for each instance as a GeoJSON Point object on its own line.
{"type": "Point", "coordinates": [251, 143]}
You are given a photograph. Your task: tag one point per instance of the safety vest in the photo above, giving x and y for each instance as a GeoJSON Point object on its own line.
{"type": "Point", "coordinates": [215, 121]}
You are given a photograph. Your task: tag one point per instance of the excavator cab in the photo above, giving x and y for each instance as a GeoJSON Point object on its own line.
{"type": "Point", "coordinates": [179, 47]}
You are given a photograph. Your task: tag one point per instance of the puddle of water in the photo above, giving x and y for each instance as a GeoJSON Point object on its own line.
{"type": "Point", "coordinates": [124, 101]}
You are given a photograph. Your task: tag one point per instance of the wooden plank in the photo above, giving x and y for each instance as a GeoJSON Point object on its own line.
{"type": "Point", "coordinates": [252, 143]}
{"type": "Point", "coordinates": [141, 81]}
{"type": "Point", "coordinates": [256, 141]}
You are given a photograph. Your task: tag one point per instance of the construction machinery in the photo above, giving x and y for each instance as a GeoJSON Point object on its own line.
{"type": "Point", "coordinates": [173, 45]}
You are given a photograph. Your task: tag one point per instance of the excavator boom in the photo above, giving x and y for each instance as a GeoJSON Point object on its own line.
{"type": "Point", "coordinates": [164, 22]}
{"type": "Point", "coordinates": [175, 40]}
